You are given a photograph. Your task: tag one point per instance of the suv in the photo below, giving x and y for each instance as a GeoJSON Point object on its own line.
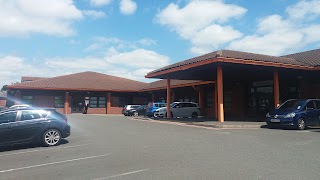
{"type": "Point", "coordinates": [127, 108]}
{"type": "Point", "coordinates": [180, 109]}
{"type": "Point", "coordinates": [295, 113]}
{"type": "Point", "coordinates": [19, 126]}
{"type": "Point", "coordinates": [152, 107]}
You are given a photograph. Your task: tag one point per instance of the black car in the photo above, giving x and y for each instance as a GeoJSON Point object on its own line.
{"type": "Point", "coordinates": [19, 126]}
{"type": "Point", "coordinates": [139, 111]}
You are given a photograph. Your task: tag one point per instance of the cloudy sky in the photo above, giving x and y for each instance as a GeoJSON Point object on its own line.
{"type": "Point", "coordinates": [129, 38]}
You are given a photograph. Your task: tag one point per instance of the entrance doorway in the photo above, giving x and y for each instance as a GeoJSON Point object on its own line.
{"type": "Point", "coordinates": [261, 98]}
{"type": "Point", "coordinates": [77, 104]}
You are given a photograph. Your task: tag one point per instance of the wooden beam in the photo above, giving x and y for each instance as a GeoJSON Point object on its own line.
{"type": "Point", "coordinates": [109, 103]}
{"type": "Point", "coordinates": [66, 104]}
{"type": "Point", "coordinates": [220, 94]}
{"type": "Point", "coordinates": [168, 99]}
{"type": "Point", "coordinates": [276, 89]}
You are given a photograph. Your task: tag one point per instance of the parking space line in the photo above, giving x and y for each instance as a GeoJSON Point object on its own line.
{"type": "Point", "coordinates": [123, 174]}
{"type": "Point", "coordinates": [46, 149]}
{"type": "Point", "coordinates": [52, 163]}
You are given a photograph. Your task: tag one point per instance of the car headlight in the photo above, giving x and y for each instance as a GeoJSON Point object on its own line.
{"type": "Point", "coordinates": [268, 115]}
{"type": "Point", "coordinates": [290, 115]}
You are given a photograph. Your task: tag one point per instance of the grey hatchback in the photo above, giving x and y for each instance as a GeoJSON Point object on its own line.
{"type": "Point", "coordinates": [19, 126]}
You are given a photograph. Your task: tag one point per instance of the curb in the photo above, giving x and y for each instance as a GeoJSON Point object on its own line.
{"type": "Point", "coordinates": [246, 126]}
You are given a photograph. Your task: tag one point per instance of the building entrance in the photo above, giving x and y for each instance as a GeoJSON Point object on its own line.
{"type": "Point", "coordinates": [77, 104]}
{"type": "Point", "coordinates": [261, 98]}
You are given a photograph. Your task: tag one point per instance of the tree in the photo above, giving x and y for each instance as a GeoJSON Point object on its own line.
{"type": "Point", "coordinates": [4, 88]}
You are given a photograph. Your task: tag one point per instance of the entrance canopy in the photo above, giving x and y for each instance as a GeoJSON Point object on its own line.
{"type": "Point", "coordinates": [200, 68]}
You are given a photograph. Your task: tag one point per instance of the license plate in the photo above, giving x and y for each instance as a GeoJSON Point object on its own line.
{"type": "Point", "coordinates": [275, 120]}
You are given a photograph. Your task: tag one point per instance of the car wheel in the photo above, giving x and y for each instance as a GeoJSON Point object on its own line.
{"type": "Point", "coordinates": [167, 116]}
{"type": "Point", "coordinates": [194, 115]}
{"type": "Point", "coordinates": [301, 124]}
{"type": "Point", "coordinates": [51, 137]}
{"type": "Point", "coordinates": [135, 114]}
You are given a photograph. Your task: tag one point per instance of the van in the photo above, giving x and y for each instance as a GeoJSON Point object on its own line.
{"type": "Point", "coordinates": [152, 107]}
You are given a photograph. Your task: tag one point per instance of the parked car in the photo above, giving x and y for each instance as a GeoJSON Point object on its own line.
{"type": "Point", "coordinates": [296, 114]}
{"type": "Point", "coordinates": [17, 106]}
{"type": "Point", "coordinates": [19, 126]}
{"type": "Point", "coordinates": [180, 109]}
{"type": "Point", "coordinates": [127, 108]}
{"type": "Point", "coordinates": [139, 111]}
{"type": "Point", "coordinates": [152, 107]}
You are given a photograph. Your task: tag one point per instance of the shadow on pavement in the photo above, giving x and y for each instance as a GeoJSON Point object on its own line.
{"type": "Point", "coordinates": [27, 146]}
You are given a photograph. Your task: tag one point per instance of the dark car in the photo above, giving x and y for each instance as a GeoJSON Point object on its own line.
{"type": "Point", "coordinates": [139, 111]}
{"type": "Point", "coordinates": [19, 126]}
{"type": "Point", "coordinates": [295, 113]}
{"type": "Point", "coordinates": [127, 108]}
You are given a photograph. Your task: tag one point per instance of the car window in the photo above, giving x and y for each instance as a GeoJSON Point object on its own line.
{"type": "Point", "coordinates": [29, 115]}
{"type": "Point", "coordinates": [310, 105]}
{"type": "Point", "coordinates": [317, 104]}
{"type": "Point", "coordinates": [8, 117]}
{"type": "Point", "coordinates": [162, 105]}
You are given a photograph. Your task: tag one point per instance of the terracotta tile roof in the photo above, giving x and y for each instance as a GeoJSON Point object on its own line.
{"type": "Point", "coordinates": [83, 81]}
{"type": "Point", "coordinates": [237, 55]}
{"type": "Point", "coordinates": [162, 84]}
{"type": "Point", "coordinates": [311, 58]}
{"type": "Point", "coordinates": [28, 78]}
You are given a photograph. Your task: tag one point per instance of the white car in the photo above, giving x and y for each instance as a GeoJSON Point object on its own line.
{"type": "Point", "coordinates": [180, 109]}
{"type": "Point", "coordinates": [18, 106]}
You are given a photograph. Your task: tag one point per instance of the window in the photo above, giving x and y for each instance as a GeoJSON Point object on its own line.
{"type": "Point", "coordinates": [317, 104]}
{"type": "Point", "coordinates": [97, 102]}
{"type": "Point", "coordinates": [27, 99]}
{"type": "Point", "coordinates": [310, 105]}
{"type": "Point", "coordinates": [8, 117]}
{"type": "Point", "coordinates": [102, 102]}
{"type": "Point", "coordinates": [29, 115]}
{"type": "Point", "coordinates": [122, 101]}
{"type": "Point", "coordinates": [58, 102]}
{"type": "Point", "coordinates": [209, 98]}
{"type": "Point", "coordinates": [93, 102]}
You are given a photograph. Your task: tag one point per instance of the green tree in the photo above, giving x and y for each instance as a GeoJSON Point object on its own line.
{"type": "Point", "coordinates": [4, 88]}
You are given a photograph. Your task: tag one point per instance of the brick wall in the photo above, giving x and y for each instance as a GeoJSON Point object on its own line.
{"type": "Point", "coordinates": [97, 111]}
{"type": "Point", "coordinates": [2, 103]}
{"type": "Point", "coordinates": [115, 110]}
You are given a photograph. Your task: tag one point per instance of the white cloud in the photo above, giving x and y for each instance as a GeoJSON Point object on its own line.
{"type": "Point", "coordinates": [133, 64]}
{"type": "Point", "coordinates": [98, 3]}
{"type": "Point", "coordinates": [139, 58]}
{"type": "Point", "coordinates": [94, 14]}
{"type": "Point", "coordinates": [128, 7]}
{"type": "Point", "coordinates": [303, 9]}
{"type": "Point", "coordinates": [52, 17]}
{"type": "Point", "coordinates": [277, 35]}
{"type": "Point", "coordinates": [147, 42]}
{"type": "Point", "coordinates": [207, 17]}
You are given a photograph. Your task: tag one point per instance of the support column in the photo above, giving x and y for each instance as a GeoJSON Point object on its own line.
{"type": "Point", "coordinates": [215, 100]}
{"type": "Point", "coordinates": [200, 96]}
{"type": "Point", "coordinates": [168, 99]}
{"type": "Point", "coordinates": [220, 94]}
{"type": "Point", "coordinates": [109, 103]}
{"type": "Point", "coordinates": [66, 104]}
{"type": "Point", "coordinates": [276, 89]}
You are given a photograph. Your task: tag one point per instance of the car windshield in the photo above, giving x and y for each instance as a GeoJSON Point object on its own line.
{"type": "Point", "coordinates": [292, 104]}
{"type": "Point", "coordinates": [173, 105]}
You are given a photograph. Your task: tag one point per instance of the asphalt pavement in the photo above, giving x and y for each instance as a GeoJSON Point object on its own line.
{"type": "Point", "coordinates": [118, 147]}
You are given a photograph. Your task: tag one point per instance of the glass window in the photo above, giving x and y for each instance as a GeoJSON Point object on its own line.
{"type": "Point", "coordinates": [93, 102]}
{"type": "Point", "coordinates": [8, 117]}
{"type": "Point", "coordinates": [29, 115]}
{"type": "Point", "coordinates": [58, 102]}
{"type": "Point", "coordinates": [122, 101]}
{"type": "Point", "coordinates": [27, 99]}
{"type": "Point", "coordinates": [317, 104]}
{"type": "Point", "coordinates": [102, 102]}
{"type": "Point", "coordinates": [310, 105]}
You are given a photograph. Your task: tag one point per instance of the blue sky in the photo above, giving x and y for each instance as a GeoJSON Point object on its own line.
{"type": "Point", "coordinates": [129, 38]}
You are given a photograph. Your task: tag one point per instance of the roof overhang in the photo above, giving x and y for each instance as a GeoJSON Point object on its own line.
{"type": "Point", "coordinates": [162, 74]}
{"type": "Point", "coordinates": [69, 89]}
{"type": "Point", "coordinates": [179, 86]}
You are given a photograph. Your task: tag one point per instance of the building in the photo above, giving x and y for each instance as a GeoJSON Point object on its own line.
{"type": "Point", "coordinates": [226, 84]}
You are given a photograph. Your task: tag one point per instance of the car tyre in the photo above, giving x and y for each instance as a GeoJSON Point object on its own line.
{"type": "Point", "coordinates": [301, 124]}
{"type": "Point", "coordinates": [194, 115]}
{"type": "Point", "coordinates": [135, 114]}
{"type": "Point", "coordinates": [51, 137]}
{"type": "Point", "coordinates": [167, 116]}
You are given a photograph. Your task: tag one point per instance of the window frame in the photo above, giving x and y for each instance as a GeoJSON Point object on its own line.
{"type": "Point", "coordinates": [98, 102]}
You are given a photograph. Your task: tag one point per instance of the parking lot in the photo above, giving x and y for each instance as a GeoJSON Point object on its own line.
{"type": "Point", "coordinates": [118, 147]}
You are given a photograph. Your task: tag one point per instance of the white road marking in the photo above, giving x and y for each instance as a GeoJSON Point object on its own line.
{"type": "Point", "coordinates": [48, 148]}
{"type": "Point", "coordinates": [124, 174]}
{"type": "Point", "coordinates": [52, 163]}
